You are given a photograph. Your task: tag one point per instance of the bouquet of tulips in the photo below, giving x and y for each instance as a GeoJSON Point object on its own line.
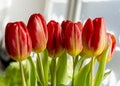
{"type": "Point", "coordinates": [43, 52]}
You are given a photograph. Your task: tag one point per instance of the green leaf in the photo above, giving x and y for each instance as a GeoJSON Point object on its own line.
{"type": "Point", "coordinates": [106, 74]}
{"type": "Point", "coordinates": [79, 63]}
{"type": "Point", "coordinates": [88, 78]}
{"type": "Point", "coordinates": [3, 80]}
{"type": "Point", "coordinates": [53, 72]}
{"type": "Point", "coordinates": [61, 85]}
{"type": "Point", "coordinates": [32, 73]}
{"type": "Point", "coordinates": [61, 73]}
{"type": "Point", "coordinates": [82, 77]}
{"type": "Point", "coordinates": [11, 75]}
{"type": "Point", "coordinates": [101, 69]}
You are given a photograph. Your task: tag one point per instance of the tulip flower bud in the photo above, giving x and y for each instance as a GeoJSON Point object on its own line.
{"type": "Point", "coordinates": [111, 44]}
{"type": "Point", "coordinates": [54, 45]}
{"type": "Point", "coordinates": [37, 28]}
{"type": "Point", "coordinates": [72, 37]}
{"type": "Point", "coordinates": [94, 37]}
{"type": "Point", "coordinates": [17, 41]}
{"type": "Point", "coordinates": [64, 25]}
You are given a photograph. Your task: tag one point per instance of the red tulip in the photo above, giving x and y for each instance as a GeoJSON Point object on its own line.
{"type": "Point", "coordinates": [111, 44]}
{"type": "Point", "coordinates": [64, 25]}
{"type": "Point", "coordinates": [17, 41]}
{"type": "Point", "coordinates": [54, 45]}
{"type": "Point", "coordinates": [72, 37]}
{"type": "Point", "coordinates": [37, 28]}
{"type": "Point", "coordinates": [94, 36]}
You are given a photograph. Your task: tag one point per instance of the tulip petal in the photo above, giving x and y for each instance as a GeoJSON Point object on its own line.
{"type": "Point", "coordinates": [17, 40]}
{"type": "Point", "coordinates": [54, 45]}
{"type": "Point", "coordinates": [37, 28]}
{"type": "Point", "coordinates": [94, 36]}
{"type": "Point", "coordinates": [73, 39]}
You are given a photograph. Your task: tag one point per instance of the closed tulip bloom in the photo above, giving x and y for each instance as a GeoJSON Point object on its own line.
{"type": "Point", "coordinates": [73, 37]}
{"type": "Point", "coordinates": [64, 24]}
{"type": "Point", "coordinates": [17, 41]}
{"type": "Point", "coordinates": [94, 36]}
{"type": "Point", "coordinates": [37, 28]}
{"type": "Point", "coordinates": [54, 45]}
{"type": "Point", "coordinates": [111, 44]}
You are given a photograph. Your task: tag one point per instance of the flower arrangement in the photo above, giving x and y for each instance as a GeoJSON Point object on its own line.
{"type": "Point", "coordinates": [53, 44]}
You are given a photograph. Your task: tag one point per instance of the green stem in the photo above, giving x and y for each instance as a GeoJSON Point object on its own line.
{"type": "Point", "coordinates": [22, 74]}
{"type": "Point", "coordinates": [92, 71]}
{"type": "Point", "coordinates": [101, 68]}
{"type": "Point", "coordinates": [41, 70]}
{"type": "Point", "coordinates": [73, 71]}
{"type": "Point", "coordinates": [53, 76]}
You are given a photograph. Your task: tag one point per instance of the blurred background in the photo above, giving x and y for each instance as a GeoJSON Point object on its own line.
{"type": "Point", "coordinates": [59, 10]}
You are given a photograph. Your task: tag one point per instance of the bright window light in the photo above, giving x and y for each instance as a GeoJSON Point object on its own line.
{"type": "Point", "coordinates": [95, 0]}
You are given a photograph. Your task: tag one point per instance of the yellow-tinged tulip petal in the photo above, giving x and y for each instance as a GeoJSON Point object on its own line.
{"type": "Point", "coordinates": [94, 36]}
{"type": "Point", "coordinates": [17, 41]}
{"type": "Point", "coordinates": [111, 44]}
{"type": "Point", "coordinates": [37, 28]}
{"type": "Point", "coordinates": [72, 37]}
